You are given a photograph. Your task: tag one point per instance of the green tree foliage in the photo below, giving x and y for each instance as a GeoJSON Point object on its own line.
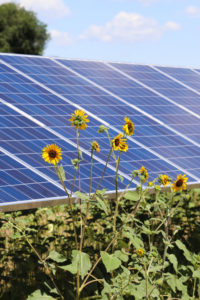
{"type": "Point", "coordinates": [20, 31]}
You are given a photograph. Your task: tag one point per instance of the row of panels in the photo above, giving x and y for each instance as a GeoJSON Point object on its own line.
{"type": "Point", "coordinates": [37, 91]}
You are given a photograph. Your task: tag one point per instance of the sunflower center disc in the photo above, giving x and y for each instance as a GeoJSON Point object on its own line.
{"type": "Point", "coordinates": [179, 182]}
{"type": "Point", "coordinates": [117, 142]}
{"type": "Point", "coordinates": [52, 153]}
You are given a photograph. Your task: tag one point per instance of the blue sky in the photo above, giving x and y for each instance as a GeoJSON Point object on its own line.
{"type": "Point", "coordinates": [165, 32]}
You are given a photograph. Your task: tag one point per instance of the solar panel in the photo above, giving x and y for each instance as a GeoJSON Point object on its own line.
{"type": "Point", "coordinates": [37, 97]}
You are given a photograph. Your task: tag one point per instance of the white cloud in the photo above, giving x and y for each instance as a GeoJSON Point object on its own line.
{"type": "Point", "coordinates": [172, 26]}
{"type": "Point", "coordinates": [128, 27]}
{"type": "Point", "coordinates": [60, 38]}
{"type": "Point", "coordinates": [50, 8]}
{"type": "Point", "coordinates": [193, 11]}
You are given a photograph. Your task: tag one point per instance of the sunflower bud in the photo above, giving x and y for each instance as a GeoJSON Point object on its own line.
{"type": "Point", "coordinates": [135, 173]}
{"type": "Point", "coordinates": [102, 129]}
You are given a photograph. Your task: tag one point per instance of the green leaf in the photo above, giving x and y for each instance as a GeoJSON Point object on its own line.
{"type": "Point", "coordinates": [110, 261]}
{"type": "Point", "coordinates": [101, 205]}
{"type": "Point", "coordinates": [121, 255]}
{"type": "Point", "coordinates": [121, 178]}
{"type": "Point", "coordinates": [172, 283]}
{"type": "Point", "coordinates": [38, 296]}
{"type": "Point", "coordinates": [101, 192]}
{"type": "Point", "coordinates": [133, 196]}
{"type": "Point", "coordinates": [81, 154]}
{"type": "Point", "coordinates": [173, 260]}
{"type": "Point", "coordinates": [196, 274]}
{"type": "Point", "coordinates": [186, 252]}
{"type": "Point", "coordinates": [80, 263]}
{"type": "Point", "coordinates": [135, 241]}
{"type": "Point", "coordinates": [59, 258]}
{"type": "Point", "coordinates": [61, 172]}
{"type": "Point", "coordinates": [82, 196]}
{"type": "Point", "coordinates": [16, 235]}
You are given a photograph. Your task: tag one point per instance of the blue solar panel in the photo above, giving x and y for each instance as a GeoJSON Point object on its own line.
{"type": "Point", "coordinates": [113, 117]}
{"type": "Point", "coordinates": [39, 90]}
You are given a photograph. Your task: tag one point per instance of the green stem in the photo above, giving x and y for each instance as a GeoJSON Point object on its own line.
{"type": "Point", "coordinates": [79, 171]}
{"type": "Point", "coordinates": [77, 286]}
{"type": "Point", "coordinates": [91, 297]}
{"type": "Point", "coordinates": [91, 171]}
{"type": "Point", "coordinates": [194, 288]}
{"type": "Point", "coordinates": [113, 152]}
{"type": "Point", "coordinates": [70, 202]}
{"type": "Point", "coordinates": [146, 281]}
{"type": "Point", "coordinates": [73, 184]}
{"type": "Point", "coordinates": [103, 172]}
{"type": "Point", "coordinates": [117, 199]}
{"type": "Point", "coordinates": [167, 224]}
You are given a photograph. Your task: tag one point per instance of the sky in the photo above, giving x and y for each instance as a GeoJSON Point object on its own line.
{"type": "Point", "coordinates": [164, 32]}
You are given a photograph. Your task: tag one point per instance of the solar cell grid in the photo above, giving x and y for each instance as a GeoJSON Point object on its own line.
{"type": "Point", "coordinates": [115, 121]}
{"type": "Point", "coordinates": [164, 85]}
{"type": "Point", "coordinates": [54, 92]}
{"type": "Point", "coordinates": [18, 183]}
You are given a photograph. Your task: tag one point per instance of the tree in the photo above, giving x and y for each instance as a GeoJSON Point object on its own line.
{"type": "Point", "coordinates": [21, 31]}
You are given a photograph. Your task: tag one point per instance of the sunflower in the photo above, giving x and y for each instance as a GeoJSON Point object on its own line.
{"type": "Point", "coordinates": [120, 143]}
{"type": "Point", "coordinates": [95, 146]}
{"type": "Point", "coordinates": [165, 180]}
{"type": "Point", "coordinates": [180, 183]}
{"type": "Point", "coordinates": [128, 126]}
{"type": "Point", "coordinates": [140, 252]}
{"type": "Point", "coordinates": [144, 173]}
{"type": "Point", "coordinates": [52, 154]}
{"type": "Point", "coordinates": [79, 119]}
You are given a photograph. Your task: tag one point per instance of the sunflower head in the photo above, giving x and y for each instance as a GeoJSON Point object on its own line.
{"type": "Point", "coordinates": [144, 173]}
{"type": "Point", "coordinates": [128, 126]}
{"type": "Point", "coordinates": [140, 252]}
{"type": "Point", "coordinates": [164, 180]}
{"type": "Point", "coordinates": [95, 146]}
{"type": "Point", "coordinates": [52, 154]}
{"type": "Point", "coordinates": [79, 119]}
{"type": "Point", "coordinates": [180, 183]}
{"type": "Point", "coordinates": [120, 143]}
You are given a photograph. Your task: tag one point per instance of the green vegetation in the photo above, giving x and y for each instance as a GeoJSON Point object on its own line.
{"type": "Point", "coordinates": [138, 246]}
{"type": "Point", "coordinates": [50, 231]}
{"type": "Point", "coordinates": [20, 31]}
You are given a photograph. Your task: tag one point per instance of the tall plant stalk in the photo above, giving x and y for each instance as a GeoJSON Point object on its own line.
{"type": "Point", "coordinates": [117, 198]}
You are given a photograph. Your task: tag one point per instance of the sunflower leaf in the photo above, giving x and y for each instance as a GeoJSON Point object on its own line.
{"type": "Point", "coordinates": [121, 178]}
{"type": "Point", "coordinates": [37, 295]}
{"type": "Point", "coordinates": [110, 261]}
{"type": "Point", "coordinates": [80, 263]}
{"type": "Point", "coordinates": [81, 154]}
{"type": "Point", "coordinates": [61, 172]}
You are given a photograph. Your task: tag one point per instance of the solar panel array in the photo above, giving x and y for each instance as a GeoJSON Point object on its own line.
{"type": "Point", "coordinates": [38, 95]}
